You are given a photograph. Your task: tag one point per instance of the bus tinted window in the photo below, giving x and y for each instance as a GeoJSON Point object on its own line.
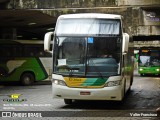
{"type": "Point", "coordinates": [35, 51]}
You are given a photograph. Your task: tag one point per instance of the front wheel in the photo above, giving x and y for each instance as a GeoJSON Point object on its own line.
{"type": "Point", "coordinates": [141, 74]}
{"type": "Point", "coordinates": [27, 79]}
{"type": "Point", "coordinates": [68, 101]}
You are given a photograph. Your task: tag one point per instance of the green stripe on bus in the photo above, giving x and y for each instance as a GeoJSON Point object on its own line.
{"type": "Point", "coordinates": [94, 82]}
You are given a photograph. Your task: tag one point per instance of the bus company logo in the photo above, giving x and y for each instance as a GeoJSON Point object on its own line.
{"type": "Point", "coordinates": [14, 98]}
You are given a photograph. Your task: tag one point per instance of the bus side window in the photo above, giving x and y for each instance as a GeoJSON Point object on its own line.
{"type": "Point", "coordinates": [28, 51]}
{"type": "Point", "coordinates": [2, 53]}
{"type": "Point", "coordinates": [17, 51]}
{"type": "Point", "coordinates": [8, 51]}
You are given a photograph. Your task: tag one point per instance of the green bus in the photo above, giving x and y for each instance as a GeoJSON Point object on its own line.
{"type": "Point", "coordinates": [24, 61]}
{"type": "Point", "coordinates": [149, 61]}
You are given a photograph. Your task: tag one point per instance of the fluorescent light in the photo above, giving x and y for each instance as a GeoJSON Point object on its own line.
{"type": "Point", "coordinates": [34, 38]}
{"type": "Point", "coordinates": [50, 29]}
{"type": "Point", "coordinates": [32, 23]}
{"type": "Point", "coordinates": [19, 36]}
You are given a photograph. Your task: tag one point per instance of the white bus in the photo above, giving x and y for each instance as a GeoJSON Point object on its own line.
{"type": "Point", "coordinates": [91, 59]}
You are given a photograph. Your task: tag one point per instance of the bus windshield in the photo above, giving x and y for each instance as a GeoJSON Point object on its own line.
{"type": "Point", "coordinates": [87, 56]}
{"type": "Point", "coordinates": [149, 58]}
{"type": "Point", "coordinates": [88, 27]}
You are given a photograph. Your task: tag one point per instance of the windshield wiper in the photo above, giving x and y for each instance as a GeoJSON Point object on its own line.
{"type": "Point", "coordinates": [96, 68]}
{"type": "Point", "coordinates": [72, 71]}
{"type": "Point", "coordinates": [69, 68]}
{"type": "Point", "coordinates": [147, 64]}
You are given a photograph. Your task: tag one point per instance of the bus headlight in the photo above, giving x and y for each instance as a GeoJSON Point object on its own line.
{"type": "Point", "coordinates": [59, 82]}
{"type": "Point", "coordinates": [113, 83]}
{"type": "Point", "coordinates": [140, 69]}
{"type": "Point", "coordinates": [158, 70]}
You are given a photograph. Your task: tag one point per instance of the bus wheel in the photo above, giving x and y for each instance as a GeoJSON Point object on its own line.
{"type": "Point", "coordinates": [131, 80]}
{"type": "Point", "coordinates": [68, 101]}
{"type": "Point", "coordinates": [27, 79]}
{"type": "Point", "coordinates": [123, 92]}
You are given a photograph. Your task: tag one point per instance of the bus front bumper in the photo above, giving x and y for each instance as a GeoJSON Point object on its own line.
{"type": "Point", "coordinates": [149, 70]}
{"type": "Point", "coordinates": [106, 93]}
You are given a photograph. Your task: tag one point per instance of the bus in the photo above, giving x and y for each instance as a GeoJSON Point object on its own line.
{"type": "Point", "coordinates": [136, 56]}
{"type": "Point", "coordinates": [149, 61]}
{"type": "Point", "coordinates": [91, 59]}
{"type": "Point", "coordinates": [23, 61]}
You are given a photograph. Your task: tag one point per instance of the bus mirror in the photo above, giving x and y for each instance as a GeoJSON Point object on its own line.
{"type": "Point", "coordinates": [47, 41]}
{"type": "Point", "coordinates": [125, 43]}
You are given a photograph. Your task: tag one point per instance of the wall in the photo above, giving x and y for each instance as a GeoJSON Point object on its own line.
{"type": "Point", "coordinates": [138, 2]}
{"type": "Point", "coordinates": [26, 4]}
{"type": "Point", "coordinates": [141, 17]}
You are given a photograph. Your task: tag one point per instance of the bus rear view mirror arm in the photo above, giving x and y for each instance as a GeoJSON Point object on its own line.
{"type": "Point", "coordinates": [47, 42]}
{"type": "Point", "coordinates": [51, 52]}
{"type": "Point", "coordinates": [124, 53]}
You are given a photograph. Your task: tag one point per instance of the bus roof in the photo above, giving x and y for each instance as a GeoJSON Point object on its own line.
{"type": "Point", "coordinates": [91, 15]}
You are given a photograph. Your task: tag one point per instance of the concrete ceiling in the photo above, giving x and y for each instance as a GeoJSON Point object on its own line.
{"type": "Point", "coordinates": [2, 1]}
{"type": "Point", "coordinates": [20, 21]}
{"type": "Point", "coordinates": [28, 22]}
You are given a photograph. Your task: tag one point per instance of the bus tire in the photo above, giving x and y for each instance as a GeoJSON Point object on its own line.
{"type": "Point", "coordinates": [27, 79]}
{"type": "Point", "coordinates": [131, 80]}
{"type": "Point", "coordinates": [68, 101]}
{"type": "Point", "coordinates": [124, 91]}
{"type": "Point", "coordinates": [129, 89]}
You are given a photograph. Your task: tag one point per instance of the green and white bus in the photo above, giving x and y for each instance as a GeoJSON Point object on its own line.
{"type": "Point", "coordinates": [24, 61]}
{"type": "Point", "coordinates": [149, 61]}
{"type": "Point", "coordinates": [91, 59]}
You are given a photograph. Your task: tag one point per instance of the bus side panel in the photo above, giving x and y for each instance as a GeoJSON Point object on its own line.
{"type": "Point", "coordinates": [129, 66]}
{"type": "Point", "coordinates": [16, 67]}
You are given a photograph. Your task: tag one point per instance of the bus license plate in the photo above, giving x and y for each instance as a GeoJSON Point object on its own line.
{"type": "Point", "coordinates": [85, 93]}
